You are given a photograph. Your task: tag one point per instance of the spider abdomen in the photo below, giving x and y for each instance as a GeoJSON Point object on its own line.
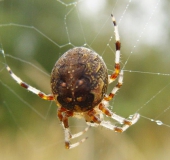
{"type": "Point", "coordinates": [79, 80]}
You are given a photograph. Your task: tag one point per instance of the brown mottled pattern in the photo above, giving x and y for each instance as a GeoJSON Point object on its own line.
{"type": "Point", "coordinates": [79, 79]}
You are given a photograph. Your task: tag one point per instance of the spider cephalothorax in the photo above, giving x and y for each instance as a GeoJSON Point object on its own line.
{"type": "Point", "coordinates": [79, 80]}
{"type": "Point", "coordinates": [79, 83]}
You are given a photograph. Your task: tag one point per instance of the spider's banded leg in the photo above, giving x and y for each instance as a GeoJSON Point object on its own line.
{"type": "Point", "coordinates": [115, 74]}
{"type": "Point", "coordinates": [42, 95]}
{"type": "Point", "coordinates": [93, 118]}
{"type": "Point", "coordinates": [125, 122]}
{"type": "Point", "coordinates": [116, 88]}
{"type": "Point", "coordinates": [122, 128]}
{"type": "Point", "coordinates": [63, 116]}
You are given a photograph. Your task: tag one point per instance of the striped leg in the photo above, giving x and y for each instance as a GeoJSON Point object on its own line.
{"type": "Point", "coordinates": [42, 95]}
{"type": "Point", "coordinates": [115, 74]}
{"type": "Point", "coordinates": [63, 116]}
{"type": "Point", "coordinates": [125, 123]}
{"type": "Point", "coordinates": [116, 88]}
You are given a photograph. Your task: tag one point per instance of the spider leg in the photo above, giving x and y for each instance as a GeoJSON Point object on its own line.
{"type": "Point", "coordinates": [126, 123]}
{"type": "Point", "coordinates": [63, 116]}
{"type": "Point", "coordinates": [96, 120]}
{"type": "Point", "coordinates": [116, 88]}
{"type": "Point", "coordinates": [42, 95]}
{"type": "Point", "coordinates": [115, 74]}
{"type": "Point", "coordinates": [124, 127]}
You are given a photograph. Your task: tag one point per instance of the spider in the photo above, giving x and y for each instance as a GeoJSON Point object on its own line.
{"type": "Point", "coordinates": [79, 82]}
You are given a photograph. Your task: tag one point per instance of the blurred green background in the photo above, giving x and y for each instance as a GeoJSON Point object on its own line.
{"type": "Point", "coordinates": [34, 34]}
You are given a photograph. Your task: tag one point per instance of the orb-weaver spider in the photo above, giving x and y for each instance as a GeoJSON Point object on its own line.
{"type": "Point", "coordinates": [79, 82]}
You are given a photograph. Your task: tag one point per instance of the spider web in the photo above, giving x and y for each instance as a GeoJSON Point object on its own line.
{"type": "Point", "coordinates": [34, 34]}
